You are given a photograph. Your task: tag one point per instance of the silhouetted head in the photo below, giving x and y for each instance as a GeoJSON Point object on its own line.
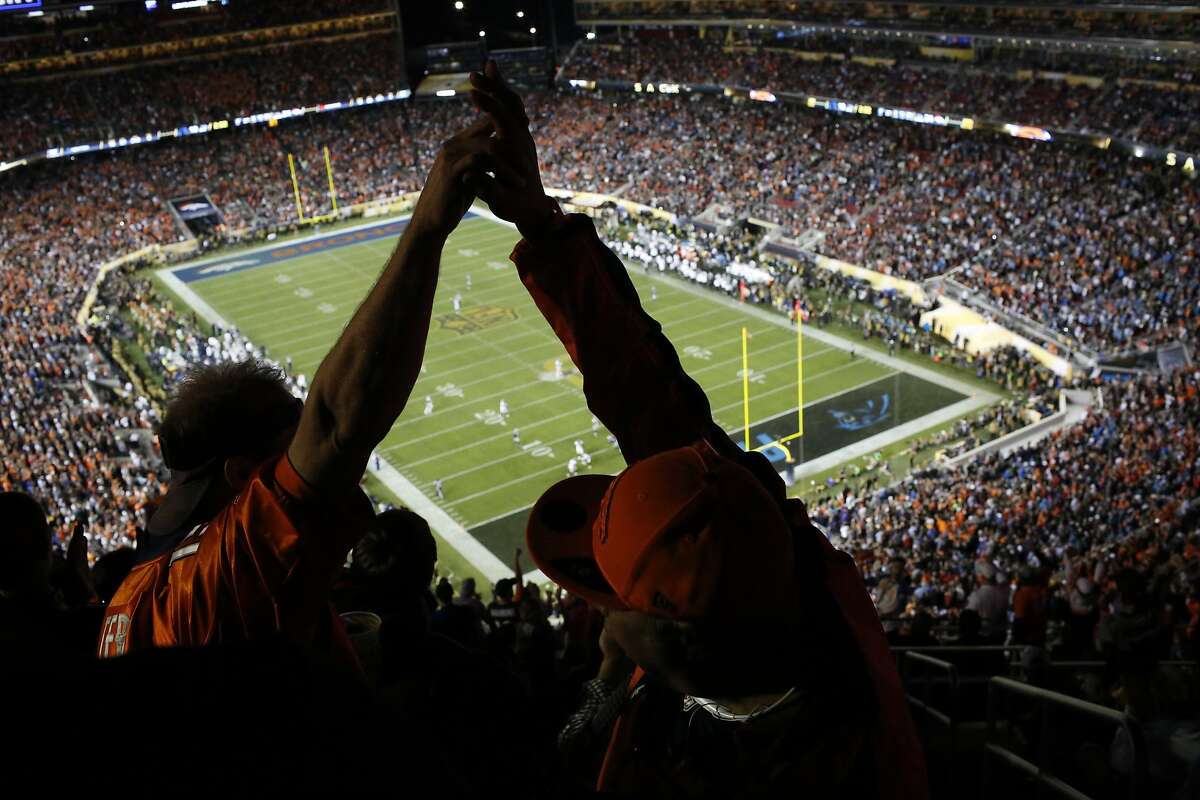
{"type": "Point", "coordinates": [24, 544]}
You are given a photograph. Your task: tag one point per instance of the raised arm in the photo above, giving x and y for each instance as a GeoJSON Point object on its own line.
{"type": "Point", "coordinates": [632, 376]}
{"type": "Point", "coordinates": [365, 381]}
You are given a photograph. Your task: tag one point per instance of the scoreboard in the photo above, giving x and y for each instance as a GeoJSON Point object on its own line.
{"type": "Point", "coordinates": [19, 5]}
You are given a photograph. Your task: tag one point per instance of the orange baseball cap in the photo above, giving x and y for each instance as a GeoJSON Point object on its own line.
{"type": "Point", "coordinates": [686, 534]}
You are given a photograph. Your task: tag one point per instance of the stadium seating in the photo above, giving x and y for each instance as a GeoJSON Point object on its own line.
{"type": "Point", "coordinates": [98, 107]}
{"type": "Point", "coordinates": [124, 25]}
{"type": "Point", "coordinates": [899, 75]}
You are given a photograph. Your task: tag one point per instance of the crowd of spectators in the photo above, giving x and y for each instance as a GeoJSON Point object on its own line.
{"type": "Point", "coordinates": [69, 416]}
{"type": "Point", "coordinates": [1096, 246]}
{"type": "Point", "coordinates": [1112, 493]}
{"type": "Point", "coordinates": [1145, 112]}
{"type": "Point", "coordinates": [165, 96]}
{"type": "Point", "coordinates": [124, 25]}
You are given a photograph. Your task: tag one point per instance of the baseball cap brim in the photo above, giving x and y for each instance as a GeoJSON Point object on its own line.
{"type": "Point", "coordinates": [559, 538]}
{"type": "Point", "coordinates": [185, 493]}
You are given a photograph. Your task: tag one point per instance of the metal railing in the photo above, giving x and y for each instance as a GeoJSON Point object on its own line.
{"type": "Point", "coordinates": [1039, 769]}
{"type": "Point", "coordinates": [1011, 651]}
{"type": "Point", "coordinates": [936, 673]}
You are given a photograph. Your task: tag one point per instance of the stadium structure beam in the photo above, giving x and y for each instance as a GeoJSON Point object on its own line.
{"type": "Point", "coordinates": [394, 6]}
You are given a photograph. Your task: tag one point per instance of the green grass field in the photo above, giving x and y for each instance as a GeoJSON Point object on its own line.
{"type": "Point", "coordinates": [498, 347]}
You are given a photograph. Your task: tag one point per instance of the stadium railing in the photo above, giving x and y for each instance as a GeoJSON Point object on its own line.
{"type": "Point", "coordinates": [929, 674]}
{"type": "Point", "coordinates": [1039, 769]}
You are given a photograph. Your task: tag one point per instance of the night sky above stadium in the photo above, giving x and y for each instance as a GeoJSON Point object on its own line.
{"type": "Point", "coordinates": [439, 21]}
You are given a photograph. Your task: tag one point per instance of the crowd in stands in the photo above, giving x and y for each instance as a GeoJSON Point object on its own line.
{"type": "Point", "coordinates": [1150, 113]}
{"type": "Point", "coordinates": [164, 96]}
{"type": "Point", "coordinates": [1071, 512]}
{"type": "Point", "coordinates": [122, 26]}
{"type": "Point", "coordinates": [915, 202]}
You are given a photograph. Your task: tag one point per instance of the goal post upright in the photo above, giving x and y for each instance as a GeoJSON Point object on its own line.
{"type": "Point", "coordinates": [746, 387]}
{"type": "Point", "coordinates": [295, 187]}
{"type": "Point", "coordinates": [329, 173]}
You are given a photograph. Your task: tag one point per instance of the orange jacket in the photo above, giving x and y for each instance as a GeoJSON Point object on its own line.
{"type": "Point", "coordinates": [264, 566]}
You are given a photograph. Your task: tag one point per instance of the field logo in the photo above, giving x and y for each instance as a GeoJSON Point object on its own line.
{"type": "Point", "coordinates": [475, 319]}
{"type": "Point", "coordinates": [864, 416]}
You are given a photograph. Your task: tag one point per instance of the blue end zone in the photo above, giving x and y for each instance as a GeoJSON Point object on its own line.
{"type": "Point", "coordinates": [273, 255]}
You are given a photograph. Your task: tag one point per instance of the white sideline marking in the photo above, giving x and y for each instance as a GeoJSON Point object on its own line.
{"type": "Point", "coordinates": [455, 534]}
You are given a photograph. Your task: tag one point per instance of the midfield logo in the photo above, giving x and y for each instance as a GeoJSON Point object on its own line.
{"type": "Point", "coordinates": [475, 319]}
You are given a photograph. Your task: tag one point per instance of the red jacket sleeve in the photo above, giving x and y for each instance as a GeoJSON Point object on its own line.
{"type": "Point", "coordinates": [632, 377]}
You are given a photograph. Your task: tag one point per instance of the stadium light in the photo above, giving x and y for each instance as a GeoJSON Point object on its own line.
{"type": "Point", "coordinates": [87, 8]}
{"type": "Point", "coordinates": [458, 5]}
{"type": "Point", "coordinates": [532, 30]}
{"type": "Point", "coordinates": [520, 15]}
{"type": "Point", "coordinates": [36, 13]}
{"type": "Point", "coordinates": [591, 35]}
{"type": "Point", "coordinates": [482, 34]}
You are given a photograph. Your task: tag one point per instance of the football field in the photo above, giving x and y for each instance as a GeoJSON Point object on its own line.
{"type": "Point", "coordinates": [294, 298]}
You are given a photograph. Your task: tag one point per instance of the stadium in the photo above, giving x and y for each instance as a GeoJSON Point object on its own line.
{"type": "Point", "coordinates": [913, 282]}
